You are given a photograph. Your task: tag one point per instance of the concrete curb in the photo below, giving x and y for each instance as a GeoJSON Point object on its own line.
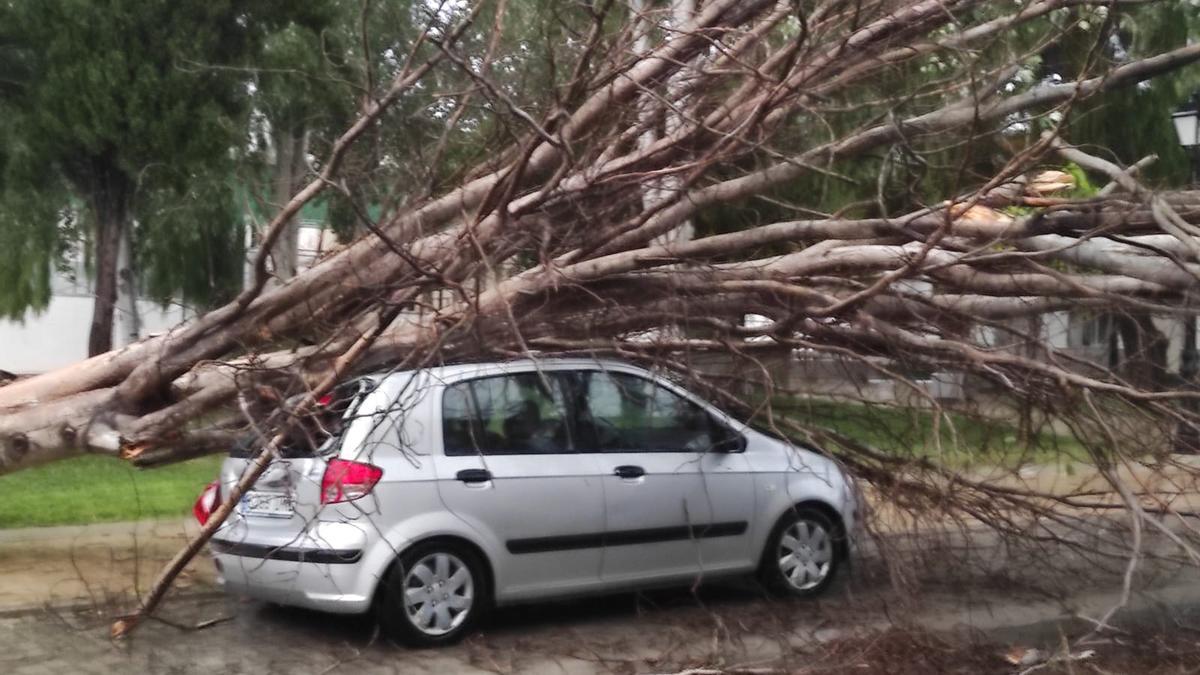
{"type": "Point", "coordinates": [70, 534]}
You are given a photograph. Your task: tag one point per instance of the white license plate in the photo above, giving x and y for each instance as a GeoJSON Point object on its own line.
{"type": "Point", "coordinates": [271, 504]}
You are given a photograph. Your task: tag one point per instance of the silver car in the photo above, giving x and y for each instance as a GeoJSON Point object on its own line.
{"type": "Point", "coordinates": [442, 492]}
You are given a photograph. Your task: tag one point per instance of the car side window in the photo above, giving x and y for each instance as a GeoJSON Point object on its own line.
{"type": "Point", "coordinates": [626, 413]}
{"type": "Point", "coordinates": [518, 414]}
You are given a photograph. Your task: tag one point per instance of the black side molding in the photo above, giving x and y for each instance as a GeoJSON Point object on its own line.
{"type": "Point", "coordinates": [326, 556]}
{"type": "Point", "coordinates": [651, 535]}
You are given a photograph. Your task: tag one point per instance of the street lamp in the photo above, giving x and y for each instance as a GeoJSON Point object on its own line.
{"type": "Point", "coordinates": [1186, 120]}
{"type": "Point", "coordinates": [1187, 128]}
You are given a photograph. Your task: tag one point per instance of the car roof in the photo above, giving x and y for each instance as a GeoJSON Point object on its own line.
{"type": "Point", "coordinates": [459, 371]}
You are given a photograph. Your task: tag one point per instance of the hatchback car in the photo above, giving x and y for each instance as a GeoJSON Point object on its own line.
{"type": "Point", "coordinates": [442, 492]}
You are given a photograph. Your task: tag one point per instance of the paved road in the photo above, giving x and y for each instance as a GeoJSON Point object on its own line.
{"type": "Point", "coordinates": [724, 625]}
{"type": "Point", "coordinates": [957, 580]}
{"type": "Point", "coordinates": [626, 633]}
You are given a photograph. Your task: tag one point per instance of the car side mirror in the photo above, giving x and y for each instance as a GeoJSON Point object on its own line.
{"type": "Point", "coordinates": [728, 440]}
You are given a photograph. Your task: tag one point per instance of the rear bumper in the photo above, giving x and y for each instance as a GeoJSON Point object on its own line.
{"type": "Point", "coordinates": [321, 569]}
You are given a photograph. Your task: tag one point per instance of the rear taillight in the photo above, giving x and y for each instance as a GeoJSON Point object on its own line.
{"type": "Point", "coordinates": [207, 502]}
{"type": "Point", "coordinates": [345, 480]}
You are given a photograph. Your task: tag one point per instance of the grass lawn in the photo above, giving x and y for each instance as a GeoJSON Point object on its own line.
{"type": "Point", "coordinates": [99, 489]}
{"type": "Point", "coordinates": [957, 440]}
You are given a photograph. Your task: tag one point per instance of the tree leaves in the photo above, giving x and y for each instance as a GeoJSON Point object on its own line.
{"type": "Point", "coordinates": [153, 91]}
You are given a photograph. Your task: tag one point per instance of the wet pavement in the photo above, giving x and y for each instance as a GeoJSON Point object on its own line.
{"type": "Point", "coordinates": [727, 625]}
{"type": "Point", "coordinates": [660, 631]}
{"type": "Point", "coordinates": [963, 578]}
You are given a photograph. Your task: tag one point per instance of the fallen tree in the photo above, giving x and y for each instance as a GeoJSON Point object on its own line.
{"type": "Point", "coordinates": [567, 240]}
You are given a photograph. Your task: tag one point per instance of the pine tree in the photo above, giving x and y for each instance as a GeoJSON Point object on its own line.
{"type": "Point", "coordinates": [121, 112]}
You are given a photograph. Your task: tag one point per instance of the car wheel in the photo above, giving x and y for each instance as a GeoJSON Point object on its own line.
{"type": "Point", "coordinates": [433, 594]}
{"type": "Point", "coordinates": [803, 554]}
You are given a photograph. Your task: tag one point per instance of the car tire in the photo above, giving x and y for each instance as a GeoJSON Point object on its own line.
{"type": "Point", "coordinates": [433, 595]}
{"type": "Point", "coordinates": [803, 554]}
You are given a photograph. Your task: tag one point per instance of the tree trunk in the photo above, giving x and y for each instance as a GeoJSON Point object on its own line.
{"type": "Point", "coordinates": [1033, 346]}
{"type": "Point", "coordinates": [290, 149]}
{"type": "Point", "coordinates": [110, 209]}
{"type": "Point", "coordinates": [1145, 350]}
{"type": "Point", "coordinates": [664, 188]}
{"type": "Point", "coordinates": [129, 324]}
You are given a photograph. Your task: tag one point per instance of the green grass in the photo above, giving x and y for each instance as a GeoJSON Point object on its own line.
{"type": "Point", "coordinates": [958, 440]}
{"type": "Point", "coordinates": [100, 489]}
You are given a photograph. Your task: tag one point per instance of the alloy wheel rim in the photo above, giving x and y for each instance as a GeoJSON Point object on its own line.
{"type": "Point", "coordinates": [438, 593]}
{"type": "Point", "coordinates": [805, 554]}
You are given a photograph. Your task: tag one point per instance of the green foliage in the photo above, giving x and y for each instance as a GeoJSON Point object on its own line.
{"type": "Point", "coordinates": [315, 81]}
{"type": "Point", "coordinates": [908, 175]}
{"type": "Point", "coordinates": [1083, 185]}
{"type": "Point", "coordinates": [25, 248]}
{"type": "Point", "coordinates": [1131, 122]}
{"type": "Point", "coordinates": [130, 104]}
{"type": "Point", "coordinates": [1134, 122]}
{"type": "Point", "coordinates": [205, 239]}
{"type": "Point", "coordinates": [161, 95]}
{"type": "Point", "coordinates": [302, 85]}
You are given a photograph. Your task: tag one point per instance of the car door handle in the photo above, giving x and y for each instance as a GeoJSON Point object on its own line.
{"type": "Point", "coordinates": [629, 471]}
{"type": "Point", "coordinates": [474, 475]}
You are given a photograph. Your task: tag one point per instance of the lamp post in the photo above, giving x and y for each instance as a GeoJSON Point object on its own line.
{"type": "Point", "coordinates": [1187, 128]}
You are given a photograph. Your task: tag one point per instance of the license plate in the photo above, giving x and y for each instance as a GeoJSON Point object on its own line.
{"type": "Point", "coordinates": [270, 504]}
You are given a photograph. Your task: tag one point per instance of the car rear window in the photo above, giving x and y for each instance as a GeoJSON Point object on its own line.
{"type": "Point", "coordinates": [318, 433]}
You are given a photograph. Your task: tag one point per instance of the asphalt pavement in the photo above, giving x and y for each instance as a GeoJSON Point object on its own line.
{"type": "Point", "coordinates": [971, 582]}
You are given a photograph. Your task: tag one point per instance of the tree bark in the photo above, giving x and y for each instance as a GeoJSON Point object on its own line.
{"type": "Point", "coordinates": [110, 210]}
{"type": "Point", "coordinates": [290, 149]}
{"type": "Point", "coordinates": [1145, 350]}
{"type": "Point", "coordinates": [129, 320]}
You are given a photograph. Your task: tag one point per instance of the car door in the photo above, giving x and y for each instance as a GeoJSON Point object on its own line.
{"type": "Point", "coordinates": [679, 494]}
{"type": "Point", "coordinates": [509, 468]}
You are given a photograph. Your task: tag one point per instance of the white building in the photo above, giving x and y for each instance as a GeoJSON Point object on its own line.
{"type": "Point", "coordinates": [58, 335]}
